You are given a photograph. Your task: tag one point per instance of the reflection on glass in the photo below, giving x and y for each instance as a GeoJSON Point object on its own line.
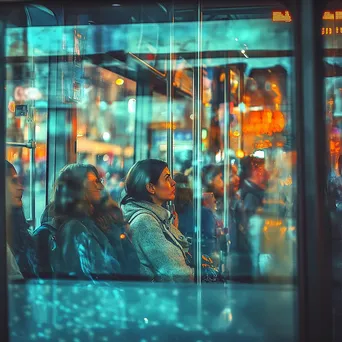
{"type": "Point", "coordinates": [115, 86]}
{"type": "Point", "coordinates": [115, 111]}
{"type": "Point", "coordinates": [333, 113]}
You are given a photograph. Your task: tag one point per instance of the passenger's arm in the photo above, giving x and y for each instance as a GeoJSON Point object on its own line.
{"type": "Point", "coordinates": [82, 254]}
{"type": "Point", "coordinates": [75, 249]}
{"type": "Point", "coordinates": [166, 259]}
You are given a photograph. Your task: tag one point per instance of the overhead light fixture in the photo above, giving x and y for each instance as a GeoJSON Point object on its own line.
{"type": "Point", "coordinates": [116, 5]}
{"type": "Point", "coordinates": [119, 81]}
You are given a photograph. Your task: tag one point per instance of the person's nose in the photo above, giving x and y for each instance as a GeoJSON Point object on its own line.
{"type": "Point", "coordinates": [173, 182]}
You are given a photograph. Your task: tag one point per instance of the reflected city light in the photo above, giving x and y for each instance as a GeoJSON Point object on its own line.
{"type": "Point", "coordinates": [106, 136]}
{"type": "Point", "coordinates": [259, 154]}
{"type": "Point", "coordinates": [11, 106]}
{"type": "Point", "coordinates": [240, 154]}
{"type": "Point", "coordinates": [131, 105]}
{"type": "Point", "coordinates": [227, 314]}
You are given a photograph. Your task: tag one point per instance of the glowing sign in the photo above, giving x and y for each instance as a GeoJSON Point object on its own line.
{"type": "Point", "coordinates": [285, 16]}
{"type": "Point", "coordinates": [338, 15]}
{"type": "Point", "coordinates": [328, 16]}
{"type": "Point", "coordinates": [281, 16]}
{"type": "Point", "coordinates": [328, 31]}
{"type": "Point", "coordinates": [260, 145]}
{"type": "Point", "coordinates": [22, 94]}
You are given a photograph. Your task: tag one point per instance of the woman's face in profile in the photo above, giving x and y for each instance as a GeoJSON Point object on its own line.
{"type": "Point", "coordinates": [218, 185]}
{"type": "Point", "coordinates": [14, 189]}
{"type": "Point", "coordinates": [165, 189]}
{"type": "Point", "coordinates": [93, 187]}
{"type": "Point", "coordinates": [209, 201]}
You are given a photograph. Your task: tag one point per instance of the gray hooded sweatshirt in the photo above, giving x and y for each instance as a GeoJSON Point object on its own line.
{"type": "Point", "coordinates": [159, 244]}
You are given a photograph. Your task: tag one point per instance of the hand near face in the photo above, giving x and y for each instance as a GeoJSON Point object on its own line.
{"type": "Point", "coordinates": [175, 219]}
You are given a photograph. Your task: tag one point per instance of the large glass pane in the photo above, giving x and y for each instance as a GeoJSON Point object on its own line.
{"type": "Point", "coordinates": [248, 113]}
{"type": "Point", "coordinates": [332, 37]}
{"type": "Point", "coordinates": [27, 99]}
{"type": "Point", "coordinates": [93, 91]}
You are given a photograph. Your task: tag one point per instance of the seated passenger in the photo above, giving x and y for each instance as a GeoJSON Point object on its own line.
{"type": "Point", "coordinates": [254, 180]}
{"type": "Point", "coordinates": [212, 182]}
{"type": "Point", "coordinates": [19, 238]}
{"type": "Point", "coordinates": [184, 208]}
{"type": "Point", "coordinates": [91, 239]}
{"type": "Point", "coordinates": [159, 244]}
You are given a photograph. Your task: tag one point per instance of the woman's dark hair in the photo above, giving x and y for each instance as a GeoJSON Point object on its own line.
{"type": "Point", "coordinates": [69, 192]}
{"type": "Point", "coordinates": [9, 168]}
{"type": "Point", "coordinates": [140, 174]}
{"type": "Point", "coordinates": [247, 165]}
{"type": "Point", "coordinates": [209, 172]}
{"type": "Point", "coordinates": [184, 193]}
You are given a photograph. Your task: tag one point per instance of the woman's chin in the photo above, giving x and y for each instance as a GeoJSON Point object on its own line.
{"type": "Point", "coordinates": [17, 203]}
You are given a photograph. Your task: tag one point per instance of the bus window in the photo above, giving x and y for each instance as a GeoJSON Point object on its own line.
{"type": "Point", "coordinates": [333, 111]}
{"type": "Point", "coordinates": [159, 146]}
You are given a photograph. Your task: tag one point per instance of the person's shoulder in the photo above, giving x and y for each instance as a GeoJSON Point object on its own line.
{"type": "Point", "coordinates": [207, 213]}
{"type": "Point", "coordinates": [143, 219]}
{"type": "Point", "coordinates": [206, 210]}
{"type": "Point", "coordinates": [73, 227]}
{"type": "Point", "coordinates": [144, 216]}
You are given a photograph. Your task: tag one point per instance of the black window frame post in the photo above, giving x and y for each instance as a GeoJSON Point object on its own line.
{"type": "Point", "coordinates": [314, 237]}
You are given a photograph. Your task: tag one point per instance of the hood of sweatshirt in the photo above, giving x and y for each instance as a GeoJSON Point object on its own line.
{"type": "Point", "coordinates": [132, 207]}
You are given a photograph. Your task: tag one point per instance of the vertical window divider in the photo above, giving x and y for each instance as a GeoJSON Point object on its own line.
{"type": "Point", "coordinates": [3, 255]}
{"type": "Point", "coordinates": [197, 155]}
{"type": "Point", "coordinates": [314, 236]}
{"type": "Point", "coordinates": [226, 161]}
{"type": "Point", "coordinates": [170, 92]}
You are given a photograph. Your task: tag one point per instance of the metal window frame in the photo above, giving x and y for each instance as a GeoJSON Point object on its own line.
{"type": "Point", "coordinates": [3, 265]}
{"type": "Point", "coordinates": [314, 238]}
{"type": "Point", "coordinates": [314, 258]}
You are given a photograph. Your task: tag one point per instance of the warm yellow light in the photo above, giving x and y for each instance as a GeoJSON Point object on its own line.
{"type": "Point", "coordinates": [236, 133]}
{"type": "Point", "coordinates": [240, 154]}
{"type": "Point", "coordinates": [119, 81]}
{"type": "Point", "coordinates": [11, 106]}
